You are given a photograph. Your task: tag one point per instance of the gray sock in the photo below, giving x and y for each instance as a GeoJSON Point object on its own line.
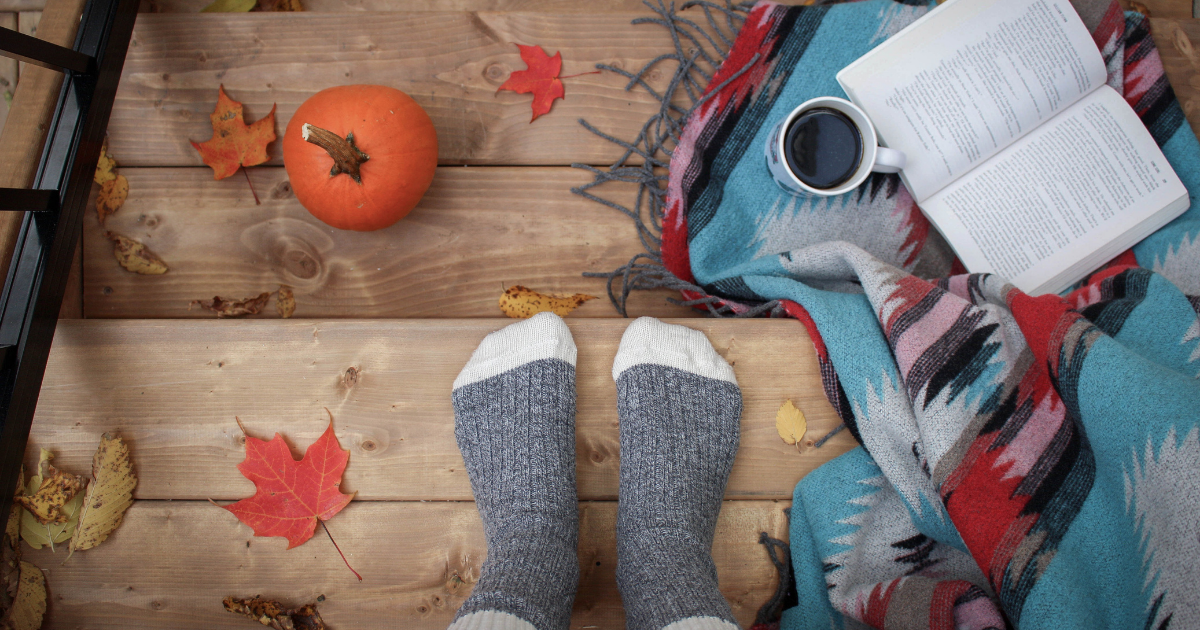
{"type": "Point", "coordinates": [514, 420]}
{"type": "Point", "coordinates": [679, 407]}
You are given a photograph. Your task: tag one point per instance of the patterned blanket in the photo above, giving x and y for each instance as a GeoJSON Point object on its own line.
{"type": "Point", "coordinates": [1025, 462]}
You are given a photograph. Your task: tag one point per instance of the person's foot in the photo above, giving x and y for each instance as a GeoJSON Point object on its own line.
{"type": "Point", "coordinates": [514, 420]}
{"type": "Point", "coordinates": [679, 407]}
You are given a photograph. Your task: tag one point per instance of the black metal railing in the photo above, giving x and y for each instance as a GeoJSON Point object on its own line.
{"type": "Point", "coordinates": [49, 233]}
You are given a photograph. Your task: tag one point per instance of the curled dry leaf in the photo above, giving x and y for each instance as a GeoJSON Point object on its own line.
{"type": "Point", "coordinates": [114, 188]}
{"type": "Point", "coordinates": [519, 302]}
{"type": "Point", "coordinates": [271, 613]}
{"type": "Point", "coordinates": [790, 423]}
{"type": "Point", "coordinates": [29, 604]}
{"type": "Point", "coordinates": [38, 535]}
{"type": "Point", "coordinates": [53, 489]}
{"type": "Point", "coordinates": [108, 496]}
{"type": "Point", "coordinates": [111, 197]}
{"type": "Point", "coordinates": [235, 308]}
{"type": "Point", "coordinates": [280, 5]}
{"type": "Point", "coordinates": [10, 552]}
{"type": "Point", "coordinates": [136, 257]}
{"type": "Point", "coordinates": [229, 6]}
{"type": "Point", "coordinates": [235, 144]}
{"type": "Point", "coordinates": [285, 301]}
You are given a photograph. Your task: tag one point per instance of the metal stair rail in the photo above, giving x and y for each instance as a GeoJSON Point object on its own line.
{"type": "Point", "coordinates": [53, 210]}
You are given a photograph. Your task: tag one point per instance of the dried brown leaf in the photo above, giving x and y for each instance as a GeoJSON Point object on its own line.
{"type": "Point", "coordinates": [790, 423]}
{"type": "Point", "coordinates": [271, 613]}
{"type": "Point", "coordinates": [29, 605]}
{"type": "Point", "coordinates": [236, 308]}
{"type": "Point", "coordinates": [285, 301]}
{"type": "Point", "coordinates": [55, 489]}
{"type": "Point", "coordinates": [280, 5]}
{"type": "Point", "coordinates": [136, 257]}
{"type": "Point", "coordinates": [108, 496]}
{"type": "Point", "coordinates": [112, 195]}
{"type": "Point", "coordinates": [519, 302]}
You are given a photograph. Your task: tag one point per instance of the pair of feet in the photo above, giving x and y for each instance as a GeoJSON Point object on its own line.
{"type": "Point", "coordinates": [514, 410]}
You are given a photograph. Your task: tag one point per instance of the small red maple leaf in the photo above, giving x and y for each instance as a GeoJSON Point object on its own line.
{"type": "Point", "coordinates": [235, 144]}
{"type": "Point", "coordinates": [541, 78]}
{"type": "Point", "coordinates": [292, 494]}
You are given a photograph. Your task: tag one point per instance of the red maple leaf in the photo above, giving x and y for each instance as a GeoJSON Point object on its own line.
{"type": "Point", "coordinates": [541, 78]}
{"type": "Point", "coordinates": [292, 494]}
{"type": "Point", "coordinates": [235, 144]}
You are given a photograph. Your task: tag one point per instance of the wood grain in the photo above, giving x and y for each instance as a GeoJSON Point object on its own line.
{"type": "Point", "coordinates": [477, 231]}
{"type": "Point", "coordinates": [8, 71]}
{"type": "Point", "coordinates": [170, 564]}
{"type": "Point", "coordinates": [27, 23]}
{"type": "Point", "coordinates": [1179, 46]}
{"type": "Point", "coordinates": [24, 131]}
{"type": "Point", "coordinates": [173, 388]}
{"type": "Point", "coordinates": [175, 63]}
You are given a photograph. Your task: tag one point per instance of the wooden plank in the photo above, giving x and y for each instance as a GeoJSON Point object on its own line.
{"type": "Point", "coordinates": [477, 231]}
{"type": "Point", "coordinates": [172, 389]}
{"type": "Point", "coordinates": [1161, 8]}
{"type": "Point", "coordinates": [24, 131]}
{"type": "Point", "coordinates": [175, 63]}
{"type": "Point", "coordinates": [27, 23]}
{"type": "Point", "coordinates": [170, 564]}
{"type": "Point", "coordinates": [8, 71]}
{"type": "Point", "coordinates": [72, 304]}
{"type": "Point", "coordinates": [343, 6]}
{"type": "Point", "coordinates": [1179, 46]}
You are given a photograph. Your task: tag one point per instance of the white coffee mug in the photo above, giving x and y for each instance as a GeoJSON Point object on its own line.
{"type": "Point", "coordinates": [874, 157]}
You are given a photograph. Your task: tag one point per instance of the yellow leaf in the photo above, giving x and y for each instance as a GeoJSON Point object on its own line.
{"type": "Point", "coordinates": [136, 257]}
{"type": "Point", "coordinates": [105, 166]}
{"type": "Point", "coordinates": [285, 302]}
{"type": "Point", "coordinates": [111, 196]}
{"type": "Point", "coordinates": [109, 495]}
{"type": "Point", "coordinates": [14, 516]}
{"type": "Point", "coordinates": [519, 302]}
{"type": "Point", "coordinates": [39, 535]}
{"type": "Point", "coordinates": [30, 603]}
{"type": "Point", "coordinates": [790, 423]}
{"type": "Point", "coordinates": [45, 499]}
{"type": "Point", "coordinates": [230, 6]}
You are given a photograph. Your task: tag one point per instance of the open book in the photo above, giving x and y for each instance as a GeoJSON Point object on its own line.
{"type": "Point", "coordinates": [1020, 155]}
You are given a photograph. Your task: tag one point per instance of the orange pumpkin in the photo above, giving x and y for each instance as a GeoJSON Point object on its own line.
{"type": "Point", "coordinates": [360, 156]}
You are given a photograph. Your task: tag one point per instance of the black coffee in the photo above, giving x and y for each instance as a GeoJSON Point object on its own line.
{"type": "Point", "coordinates": [823, 147]}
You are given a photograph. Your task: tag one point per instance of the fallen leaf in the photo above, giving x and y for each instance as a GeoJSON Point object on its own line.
{"type": "Point", "coordinates": [285, 302]}
{"type": "Point", "coordinates": [136, 257]}
{"type": "Point", "coordinates": [541, 78]}
{"type": "Point", "coordinates": [105, 166]}
{"type": "Point", "coordinates": [49, 491]}
{"type": "Point", "coordinates": [280, 5]}
{"type": "Point", "coordinates": [229, 6]}
{"type": "Point", "coordinates": [38, 535]}
{"type": "Point", "coordinates": [291, 495]}
{"type": "Point", "coordinates": [271, 613]}
{"type": "Point", "coordinates": [10, 551]}
{"type": "Point", "coordinates": [519, 302]}
{"type": "Point", "coordinates": [108, 496]}
{"type": "Point", "coordinates": [111, 197]}
{"type": "Point", "coordinates": [234, 144]}
{"type": "Point", "coordinates": [790, 423]}
{"type": "Point", "coordinates": [236, 308]}
{"type": "Point", "coordinates": [29, 605]}
{"type": "Point", "coordinates": [13, 531]}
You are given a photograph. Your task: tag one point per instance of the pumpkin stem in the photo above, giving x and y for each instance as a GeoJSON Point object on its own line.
{"type": "Point", "coordinates": [346, 157]}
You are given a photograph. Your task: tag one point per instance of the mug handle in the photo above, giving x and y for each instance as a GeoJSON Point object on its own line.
{"type": "Point", "coordinates": [888, 160]}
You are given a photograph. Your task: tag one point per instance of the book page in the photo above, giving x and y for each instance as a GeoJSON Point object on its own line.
{"type": "Point", "coordinates": [969, 79]}
{"type": "Point", "coordinates": [1070, 188]}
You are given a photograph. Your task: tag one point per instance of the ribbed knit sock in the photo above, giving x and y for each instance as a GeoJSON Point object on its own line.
{"type": "Point", "coordinates": [514, 420]}
{"type": "Point", "coordinates": [679, 407]}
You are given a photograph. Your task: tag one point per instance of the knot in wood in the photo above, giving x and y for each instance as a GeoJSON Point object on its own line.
{"type": "Point", "coordinates": [495, 73]}
{"type": "Point", "coordinates": [350, 378]}
{"type": "Point", "coordinates": [369, 445]}
{"type": "Point", "coordinates": [282, 190]}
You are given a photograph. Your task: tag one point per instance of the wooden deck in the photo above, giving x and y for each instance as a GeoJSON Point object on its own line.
{"type": "Point", "coordinates": [384, 320]}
